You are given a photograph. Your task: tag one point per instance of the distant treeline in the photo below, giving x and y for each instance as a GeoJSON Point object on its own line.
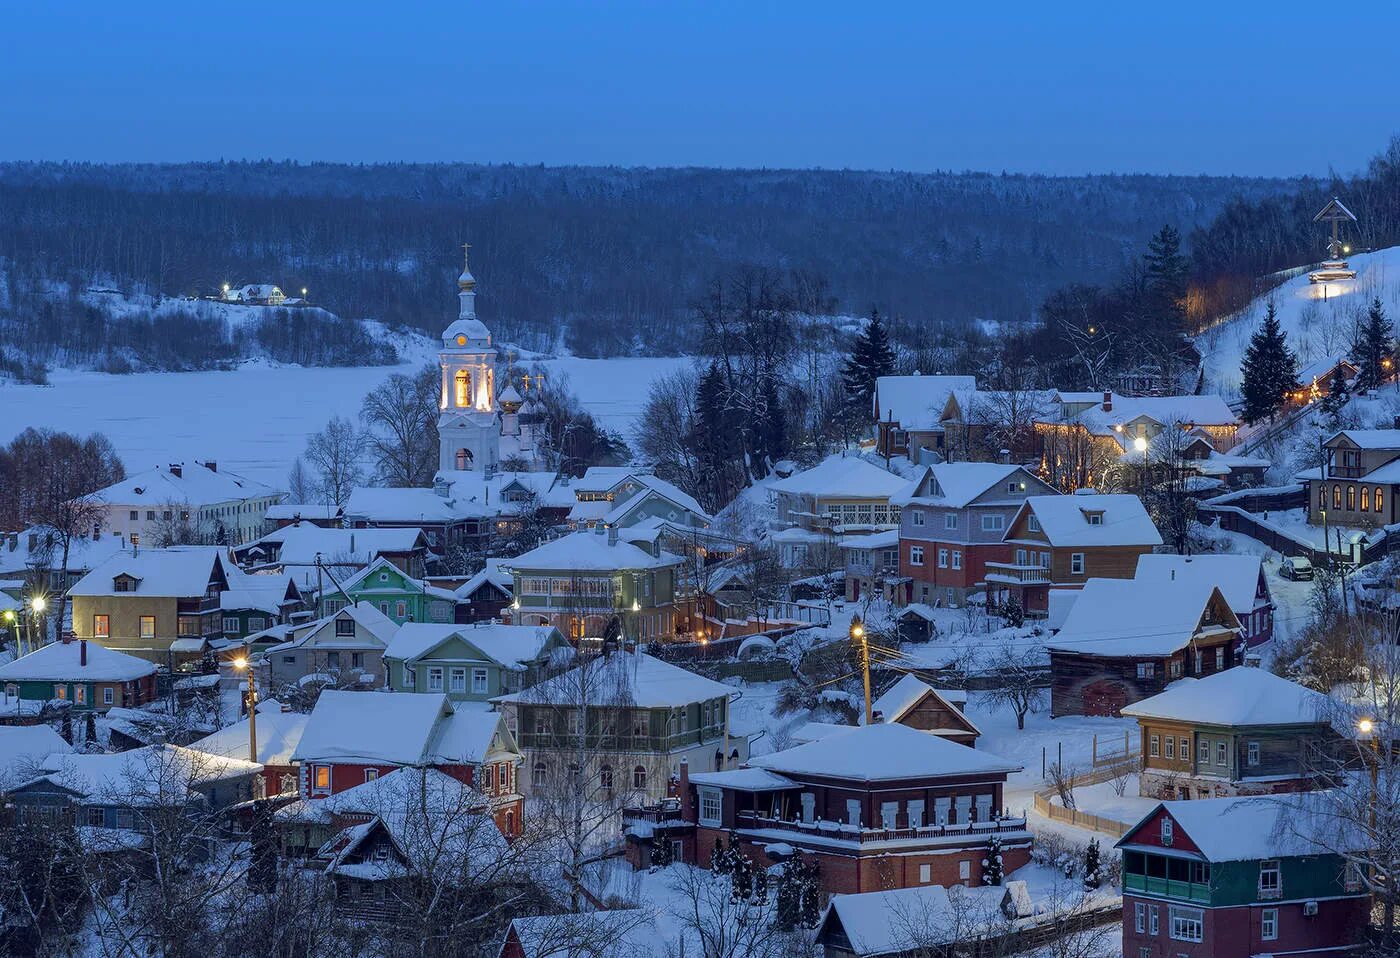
{"type": "Point", "coordinates": [607, 260]}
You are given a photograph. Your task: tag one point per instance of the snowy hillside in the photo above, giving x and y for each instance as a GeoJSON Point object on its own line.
{"type": "Point", "coordinates": [1318, 318]}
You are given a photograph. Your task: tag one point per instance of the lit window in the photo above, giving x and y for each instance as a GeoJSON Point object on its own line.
{"type": "Point", "coordinates": [101, 628]}
{"type": "Point", "coordinates": [323, 778]}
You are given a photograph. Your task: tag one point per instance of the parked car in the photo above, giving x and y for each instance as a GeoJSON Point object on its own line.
{"type": "Point", "coordinates": [1298, 568]}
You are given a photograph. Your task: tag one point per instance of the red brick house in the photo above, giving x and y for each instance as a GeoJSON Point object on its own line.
{"type": "Point", "coordinates": [1060, 542]}
{"type": "Point", "coordinates": [1236, 878]}
{"type": "Point", "coordinates": [876, 807]}
{"type": "Point", "coordinates": [953, 520]}
{"type": "Point", "coordinates": [356, 737]}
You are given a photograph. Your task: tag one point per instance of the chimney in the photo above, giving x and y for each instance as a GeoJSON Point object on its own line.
{"type": "Point", "coordinates": [687, 807]}
{"type": "Point", "coordinates": [177, 469]}
{"type": "Point", "coordinates": [1107, 401]}
{"type": "Point", "coordinates": [877, 717]}
{"type": "Point", "coordinates": [82, 653]}
{"type": "Point", "coordinates": [1006, 457]}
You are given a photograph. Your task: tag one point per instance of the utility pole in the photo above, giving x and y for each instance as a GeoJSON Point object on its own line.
{"type": "Point", "coordinates": [858, 635]}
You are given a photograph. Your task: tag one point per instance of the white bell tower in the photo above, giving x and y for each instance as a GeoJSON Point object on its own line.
{"type": "Point", "coordinates": [469, 430]}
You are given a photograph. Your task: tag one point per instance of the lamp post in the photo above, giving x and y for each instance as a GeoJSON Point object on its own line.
{"type": "Point", "coordinates": [858, 635]}
{"type": "Point", "coordinates": [1140, 444]}
{"type": "Point", "coordinates": [241, 663]}
{"type": "Point", "coordinates": [1368, 728]}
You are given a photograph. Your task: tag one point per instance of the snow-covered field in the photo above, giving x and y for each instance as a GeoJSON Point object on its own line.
{"type": "Point", "coordinates": [254, 419]}
{"type": "Point", "coordinates": [1318, 318]}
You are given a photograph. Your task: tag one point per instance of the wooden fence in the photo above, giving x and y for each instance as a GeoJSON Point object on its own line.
{"type": "Point", "coordinates": [1071, 816]}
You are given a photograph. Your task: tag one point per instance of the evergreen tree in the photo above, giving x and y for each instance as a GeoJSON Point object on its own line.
{"type": "Point", "coordinates": [90, 729]}
{"type": "Point", "coordinates": [1093, 866]}
{"type": "Point", "coordinates": [810, 881]}
{"type": "Point", "coordinates": [66, 729]}
{"type": "Point", "coordinates": [1270, 370]}
{"type": "Point", "coordinates": [262, 859]}
{"type": "Point", "coordinates": [788, 909]}
{"type": "Point", "coordinates": [716, 440]}
{"type": "Point", "coordinates": [662, 854]}
{"type": "Point", "coordinates": [1336, 399]}
{"type": "Point", "coordinates": [992, 871]}
{"type": "Point", "coordinates": [1372, 346]}
{"type": "Point", "coordinates": [1166, 271]}
{"type": "Point", "coordinates": [770, 424]}
{"type": "Point", "coordinates": [871, 358]}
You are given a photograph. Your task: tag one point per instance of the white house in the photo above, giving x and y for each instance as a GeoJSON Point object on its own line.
{"type": "Point", "coordinates": [220, 504]}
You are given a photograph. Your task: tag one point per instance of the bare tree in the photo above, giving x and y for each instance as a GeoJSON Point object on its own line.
{"type": "Point", "coordinates": [1062, 781]}
{"type": "Point", "coordinates": [400, 419]}
{"type": "Point", "coordinates": [1019, 679]}
{"type": "Point", "coordinates": [176, 525]}
{"type": "Point", "coordinates": [731, 921]}
{"type": "Point", "coordinates": [664, 430]}
{"type": "Point", "coordinates": [334, 455]}
{"type": "Point", "coordinates": [299, 484]}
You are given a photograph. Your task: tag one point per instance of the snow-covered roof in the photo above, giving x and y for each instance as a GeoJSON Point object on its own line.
{"type": "Point", "coordinates": [620, 933]}
{"type": "Point", "coordinates": [302, 542]}
{"type": "Point", "coordinates": [279, 733]}
{"type": "Point", "coordinates": [842, 477]}
{"type": "Point", "coordinates": [494, 573]}
{"type": "Point", "coordinates": [303, 510]}
{"type": "Point", "coordinates": [177, 571]}
{"type": "Point", "coordinates": [1058, 605]}
{"type": "Point", "coordinates": [623, 678]}
{"type": "Point", "coordinates": [904, 920]}
{"type": "Point", "coordinates": [513, 646]}
{"type": "Point", "coordinates": [1374, 439]}
{"type": "Point", "coordinates": [83, 553]}
{"type": "Point", "coordinates": [1236, 697]}
{"type": "Point", "coordinates": [23, 750]}
{"type": "Point", "coordinates": [812, 731]}
{"type": "Point", "coordinates": [1319, 367]}
{"type": "Point", "coordinates": [258, 291]}
{"type": "Point", "coordinates": [1254, 828]}
{"type": "Point", "coordinates": [955, 484]}
{"type": "Point", "coordinates": [590, 551]}
{"type": "Point", "coordinates": [60, 661]}
{"type": "Point", "coordinates": [1065, 520]}
{"type": "Point", "coordinates": [745, 780]}
{"type": "Point", "coordinates": [196, 485]}
{"type": "Point", "coordinates": [904, 695]}
{"type": "Point", "coordinates": [875, 753]}
{"type": "Point", "coordinates": [395, 728]}
{"type": "Point", "coordinates": [991, 405]}
{"type": "Point", "coordinates": [1207, 410]}
{"type": "Point", "coordinates": [263, 592]}
{"type": "Point", "coordinates": [1117, 617]}
{"type": "Point", "coordinates": [472, 328]}
{"type": "Point", "coordinates": [1237, 576]}
{"type": "Point", "coordinates": [887, 539]}
{"type": "Point", "coordinates": [154, 774]}
{"type": "Point", "coordinates": [380, 504]}
{"type": "Point", "coordinates": [916, 402]}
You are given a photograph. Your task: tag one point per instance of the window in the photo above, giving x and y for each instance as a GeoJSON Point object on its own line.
{"type": "Point", "coordinates": [1146, 670]}
{"type": "Point", "coordinates": [321, 778]}
{"type": "Point", "coordinates": [1171, 747]}
{"type": "Point", "coordinates": [1013, 487]}
{"type": "Point", "coordinates": [1166, 832]}
{"type": "Point", "coordinates": [1200, 661]}
{"type": "Point", "coordinates": [1351, 497]}
{"type": "Point", "coordinates": [1152, 916]}
{"type": "Point", "coordinates": [1365, 498]}
{"type": "Point", "coordinates": [479, 681]}
{"type": "Point", "coordinates": [993, 523]}
{"type": "Point", "coordinates": [101, 628]}
{"type": "Point", "coordinates": [107, 695]}
{"type": "Point", "coordinates": [384, 607]}
{"type": "Point", "coordinates": [1222, 753]}
{"type": "Point", "coordinates": [401, 609]}
{"type": "Point", "coordinates": [1095, 518]}
{"type": "Point", "coordinates": [357, 660]}
{"type": "Point", "coordinates": [1252, 753]}
{"type": "Point", "coordinates": [950, 520]}
{"type": "Point", "coordinates": [1139, 917]}
{"type": "Point", "coordinates": [1185, 749]}
{"type": "Point", "coordinates": [80, 694]}
{"type": "Point", "coordinates": [1220, 658]}
{"type": "Point", "coordinates": [538, 774]}
{"type": "Point", "coordinates": [256, 623]}
{"type": "Point", "coordinates": [95, 817]}
{"type": "Point", "coordinates": [916, 555]}
{"type": "Point", "coordinates": [639, 777]}
{"type": "Point", "coordinates": [1270, 879]}
{"type": "Point", "coordinates": [332, 660]}
{"type": "Point", "coordinates": [916, 518]}
{"type": "Point", "coordinates": [1076, 563]}
{"type": "Point", "coordinates": [925, 874]}
{"type": "Point", "coordinates": [957, 559]}
{"type": "Point", "coordinates": [1379, 500]}
{"type": "Point", "coordinates": [942, 558]}
{"type": "Point", "coordinates": [410, 677]}
{"type": "Point", "coordinates": [1032, 523]}
{"type": "Point", "coordinates": [458, 678]}
{"type": "Point", "coordinates": [964, 869]}
{"type": "Point", "coordinates": [1268, 924]}
{"type": "Point", "coordinates": [710, 806]}
{"type": "Point", "coordinates": [1154, 746]}
{"type": "Point", "coordinates": [1336, 497]}
{"type": "Point", "coordinates": [230, 623]}
{"type": "Point", "coordinates": [435, 679]}
{"type": "Point", "coordinates": [134, 515]}
{"type": "Point", "coordinates": [1187, 924]}
{"type": "Point", "coordinates": [345, 626]}
{"type": "Point", "coordinates": [371, 774]}
{"type": "Point", "coordinates": [1203, 752]}
{"type": "Point", "coordinates": [1321, 496]}
{"type": "Point", "coordinates": [605, 776]}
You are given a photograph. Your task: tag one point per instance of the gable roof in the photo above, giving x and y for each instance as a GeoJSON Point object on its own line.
{"type": "Point", "coordinates": [376, 623]}
{"type": "Point", "coordinates": [1064, 520]}
{"type": "Point", "coordinates": [620, 933]}
{"type": "Point", "coordinates": [1252, 828]}
{"type": "Point", "coordinates": [1235, 697]}
{"type": "Point", "coordinates": [904, 920]}
{"type": "Point", "coordinates": [623, 678]}
{"type": "Point", "coordinates": [396, 728]}
{"type": "Point", "coordinates": [196, 485]}
{"type": "Point", "coordinates": [301, 542]}
{"type": "Point", "coordinates": [381, 563]}
{"type": "Point", "coordinates": [916, 402]}
{"type": "Point", "coordinates": [908, 692]}
{"type": "Point", "coordinates": [263, 592]}
{"type": "Point", "coordinates": [883, 752]}
{"type": "Point", "coordinates": [842, 476]}
{"type": "Point", "coordinates": [1208, 410]}
{"type": "Point", "coordinates": [1372, 439]}
{"type": "Point", "coordinates": [1237, 576]}
{"type": "Point", "coordinates": [24, 749]}
{"type": "Point", "coordinates": [590, 551]}
{"type": "Point", "coordinates": [60, 661]}
{"type": "Point", "coordinates": [513, 646]}
{"type": "Point", "coordinates": [1114, 617]}
{"type": "Point", "coordinates": [176, 571]}
{"type": "Point", "coordinates": [279, 733]}
{"type": "Point", "coordinates": [152, 775]}
{"type": "Point", "coordinates": [495, 573]}
{"type": "Point", "coordinates": [955, 484]}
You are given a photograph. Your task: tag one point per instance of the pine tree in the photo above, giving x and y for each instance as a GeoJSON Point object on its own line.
{"type": "Point", "coordinates": [1270, 370]}
{"type": "Point", "coordinates": [1166, 271]}
{"type": "Point", "coordinates": [810, 883]}
{"type": "Point", "coordinates": [788, 909]}
{"type": "Point", "coordinates": [871, 358]}
{"type": "Point", "coordinates": [1336, 399]}
{"type": "Point", "coordinates": [662, 854]}
{"type": "Point", "coordinates": [1373, 346]}
{"type": "Point", "coordinates": [716, 441]}
{"type": "Point", "coordinates": [1093, 866]}
{"type": "Point", "coordinates": [992, 871]}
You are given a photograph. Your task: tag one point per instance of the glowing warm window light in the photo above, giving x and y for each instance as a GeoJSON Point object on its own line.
{"type": "Point", "coordinates": [463, 381]}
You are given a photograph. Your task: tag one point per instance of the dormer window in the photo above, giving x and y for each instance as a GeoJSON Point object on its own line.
{"type": "Point", "coordinates": [1094, 518]}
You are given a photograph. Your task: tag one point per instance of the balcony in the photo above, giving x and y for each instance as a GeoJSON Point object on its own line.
{"type": "Point", "coordinates": [1010, 573]}
{"type": "Point", "coordinates": [862, 836]}
{"type": "Point", "coordinates": [1167, 888]}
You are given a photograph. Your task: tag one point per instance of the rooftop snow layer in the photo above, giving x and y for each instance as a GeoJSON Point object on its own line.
{"type": "Point", "coordinates": [60, 662]}
{"type": "Point", "coordinates": [1235, 697]}
{"type": "Point", "coordinates": [884, 752]}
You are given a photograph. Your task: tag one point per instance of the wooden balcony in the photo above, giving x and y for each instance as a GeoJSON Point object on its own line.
{"type": "Point", "coordinates": [1167, 887]}
{"type": "Point", "coordinates": [861, 836]}
{"type": "Point", "coordinates": [1010, 573]}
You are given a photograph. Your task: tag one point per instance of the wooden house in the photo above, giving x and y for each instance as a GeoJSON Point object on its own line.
{"type": "Point", "coordinates": [1243, 731]}
{"type": "Point", "coordinates": [908, 413]}
{"type": "Point", "coordinates": [344, 648]}
{"type": "Point", "coordinates": [1240, 578]}
{"type": "Point", "coordinates": [397, 595]}
{"type": "Point", "coordinates": [279, 733]}
{"type": "Point", "coordinates": [1357, 483]}
{"type": "Point", "coordinates": [1239, 878]}
{"type": "Point", "coordinates": [1125, 640]}
{"type": "Point", "coordinates": [83, 673]}
{"type": "Point", "coordinates": [920, 706]}
{"type": "Point", "coordinates": [474, 662]}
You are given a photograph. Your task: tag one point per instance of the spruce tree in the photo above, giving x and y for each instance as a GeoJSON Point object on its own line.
{"type": "Point", "coordinates": [1166, 273]}
{"type": "Point", "coordinates": [1336, 399]}
{"type": "Point", "coordinates": [871, 358]}
{"type": "Point", "coordinates": [1093, 866]}
{"type": "Point", "coordinates": [66, 728]}
{"type": "Point", "coordinates": [992, 871]}
{"type": "Point", "coordinates": [1270, 370]}
{"type": "Point", "coordinates": [1373, 345]}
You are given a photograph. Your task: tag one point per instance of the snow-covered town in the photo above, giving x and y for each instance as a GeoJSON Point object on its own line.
{"type": "Point", "coordinates": [427, 590]}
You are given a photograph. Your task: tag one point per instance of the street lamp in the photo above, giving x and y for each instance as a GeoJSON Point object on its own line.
{"type": "Point", "coordinates": [241, 663]}
{"type": "Point", "coordinates": [1368, 728]}
{"type": "Point", "coordinates": [1140, 444]}
{"type": "Point", "coordinates": [858, 635]}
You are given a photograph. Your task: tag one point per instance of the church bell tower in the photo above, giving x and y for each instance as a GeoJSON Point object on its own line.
{"type": "Point", "coordinates": [468, 423]}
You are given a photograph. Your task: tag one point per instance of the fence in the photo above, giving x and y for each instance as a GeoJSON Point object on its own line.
{"type": "Point", "coordinates": [1071, 816]}
{"type": "Point", "coordinates": [1236, 512]}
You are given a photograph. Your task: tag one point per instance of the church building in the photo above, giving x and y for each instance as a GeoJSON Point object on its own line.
{"type": "Point", "coordinates": [478, 427]}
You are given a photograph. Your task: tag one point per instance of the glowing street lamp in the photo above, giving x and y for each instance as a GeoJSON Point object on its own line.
{"type": "Point", "coordinates": [241, 664]}
{"type": "Point", "coordinates": [38, 604]}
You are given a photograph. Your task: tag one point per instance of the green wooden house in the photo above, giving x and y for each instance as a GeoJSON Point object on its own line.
{"type": "Point", "coordinates": [81, 672]}
{"type": "Point", "coordinates": [1240, 877]}
{"type": "Point", "coordinates": [393, 592]}
{"type": "Point", "coordinates": [473, 662]}
{"type": "Point", "coordinates": [254, 603]}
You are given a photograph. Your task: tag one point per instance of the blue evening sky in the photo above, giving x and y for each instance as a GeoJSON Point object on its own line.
{"type": "Point", "coordinates": [1051, 87]}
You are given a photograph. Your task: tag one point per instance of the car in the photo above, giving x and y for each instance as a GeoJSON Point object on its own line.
{"type": "Point", "coordinates": [1298, 568]}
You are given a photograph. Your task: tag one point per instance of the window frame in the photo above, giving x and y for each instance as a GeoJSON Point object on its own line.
{"type": "Point", "coordinates": [1077, 563]}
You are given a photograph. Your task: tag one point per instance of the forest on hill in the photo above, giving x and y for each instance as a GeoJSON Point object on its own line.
{"type": "Point", "coordinates": [603, 261]}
